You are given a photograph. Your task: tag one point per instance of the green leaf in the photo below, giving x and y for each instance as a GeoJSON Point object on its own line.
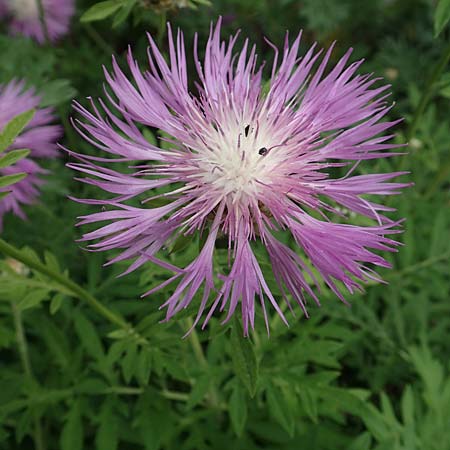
{"type": "Point", "coordinates": [13, 128]}
{"type": "Point", "coordinates": [12, 157]}
{"type": "Point", "coordinates": [118, 334]}
{"type": "Point", "coordinates": [144, 366]}
{"type": "Point", "coordinates": [33, 298]}
{"type": "Point", "coordinates": [441, 16]}
{"type": "Point", "coordinates": [88, 336]}
{"type": "Point", "coordinates": [180, 243]}
{"type": "Point", "coordinates": [101, 11]}
{"type": "Point", "coordinates": [7, 180]}
{"type": "Point", "coordinates": [244, 358]}
{"type": "Point", "coordinates": [279, 409]}
{"type": "Point", "coordinates": [129, 362]}
{"type": "Point", "coordinates": [199, 390]}
{"type": "Point", "coordinates": [56, 302]}
{"type": "Point", "coordinates": [407, 405]}
{"type": "Point", "coordinates": [238, 409]}
{"type": "Point", "coordinates": [308, 399]}
{"type": "Point", "coordinates": [121, 16]}
{"type": "Point", "coordinates": [106, 437]}
{"type": "Point", "coordinates": [72, 433]}
{"type": "Point", "coordinates": [56, 92]}
{"type": "Point", "coordinates": [362, 442]}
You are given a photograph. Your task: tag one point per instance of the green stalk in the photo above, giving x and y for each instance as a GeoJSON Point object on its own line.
{"type": "Point", "coordinates": [25, 359]}
{"type": "Point", "coordinates": [161, 29]}
{"type": "Point", "coordinates": [75, 288]}
{"type": "Point", "coordinates": [42, 20]}
{"type": "Point", "coordinates": [98, 39]}
{"type": "Point", "coordinates": [200, 356]}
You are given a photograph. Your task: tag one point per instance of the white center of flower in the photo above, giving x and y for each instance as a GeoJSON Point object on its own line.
{"type": "Point", "coordinates": [24, 9]}
{"type": "Point", "coordinates": [239, 160]}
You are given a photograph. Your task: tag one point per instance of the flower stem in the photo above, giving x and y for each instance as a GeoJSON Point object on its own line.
{"type": "Point", "coordinates": [42, 20]}
{"type": "Point", "coordinates": [98, 39]}
{"type": "Point", "coordinates": [75, 288]}
{"type": "Point", "coordinates": [25, 359]}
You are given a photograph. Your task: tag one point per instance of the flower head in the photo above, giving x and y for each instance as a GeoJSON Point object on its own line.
{"type": "Point", "coordinates": [25, 17]}
{"type": "Point", "coordinates": [39, 136]}
{"type": "Point", "coordinates": [243, 162]}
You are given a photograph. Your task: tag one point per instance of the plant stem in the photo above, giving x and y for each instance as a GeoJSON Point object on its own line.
{"type": "Point", "coordinates": [98, 39]}
{"type": "Point", "coordinates": [161, 29]}
{"type": "Point", "coordinates": [25, 359]}
{"type": "Point", "coordinates": [42, 20]}
{"type": "Point", "coordinates": [75, 288]}
{"type": "Point", "coordinates": [420, 265]}
{"type": "Point", "coordinates": [200, 356]}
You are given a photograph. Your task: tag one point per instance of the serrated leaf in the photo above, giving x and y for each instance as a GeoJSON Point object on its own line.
{"type": "Point", "coordinates": [72, 432]}
{"type": "Point", "coordinates": [12, 157]}
{"type": "Point", "coordinates": [88, 336]}
{"type": "Point", "coordinates": [238, 409]}
{"type": "Point", "coordinates": [14, 178]}
{"type": "Point", "coordinates": [101, 11]}
{"type": "Point", "coordinates": [13, 128]}
{"type": "Point", "coordinates": [244, 358]}
{"type": "Point", "coordinates": [441, 16]}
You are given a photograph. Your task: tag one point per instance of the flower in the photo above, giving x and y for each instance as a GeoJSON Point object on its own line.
{"type": "Point", "coordinates": [243, 161]}
{"type": "Point", "coordinates": [39, 136]}
{"type": "Point", "coordinates": [25, 17]}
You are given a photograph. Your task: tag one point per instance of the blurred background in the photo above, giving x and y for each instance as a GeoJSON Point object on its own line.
{"type": "Point", "coordinates": [372, 376]}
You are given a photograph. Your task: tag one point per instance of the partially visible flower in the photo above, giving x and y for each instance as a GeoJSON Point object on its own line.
{"type": "Point", "coordinates": [241, 163]}
{"type": "Point", "coordinates": [39, 136]}
{"type": "Point", "coordinates": [24, 17]}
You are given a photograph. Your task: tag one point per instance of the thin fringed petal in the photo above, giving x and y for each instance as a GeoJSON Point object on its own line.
{"type": "Point", "coordinates": [242, 161]}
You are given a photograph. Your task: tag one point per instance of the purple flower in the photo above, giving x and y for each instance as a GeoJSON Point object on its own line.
{"type": "Point", "coordinates": [38, 136]}
{"type": "Point", "coordinates": [244, 161]}
{"type": "Point", "coordinates": [25, 18]}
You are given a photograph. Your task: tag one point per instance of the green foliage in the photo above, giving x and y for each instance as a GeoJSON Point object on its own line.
{"type": "Point", "coordinates": [105, 9]}
{"type": "Point", "coordinates": [13, 128]}
{"type": "Point", "coordinates": [86, 364]}
{"type": "Point", "coordinates": [441, 16]}
{"type": "Point", "coordinates": [7, 137]}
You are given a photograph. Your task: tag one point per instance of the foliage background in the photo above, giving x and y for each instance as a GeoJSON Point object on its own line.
{"type": "Point", "coordinates": [93, 368]}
